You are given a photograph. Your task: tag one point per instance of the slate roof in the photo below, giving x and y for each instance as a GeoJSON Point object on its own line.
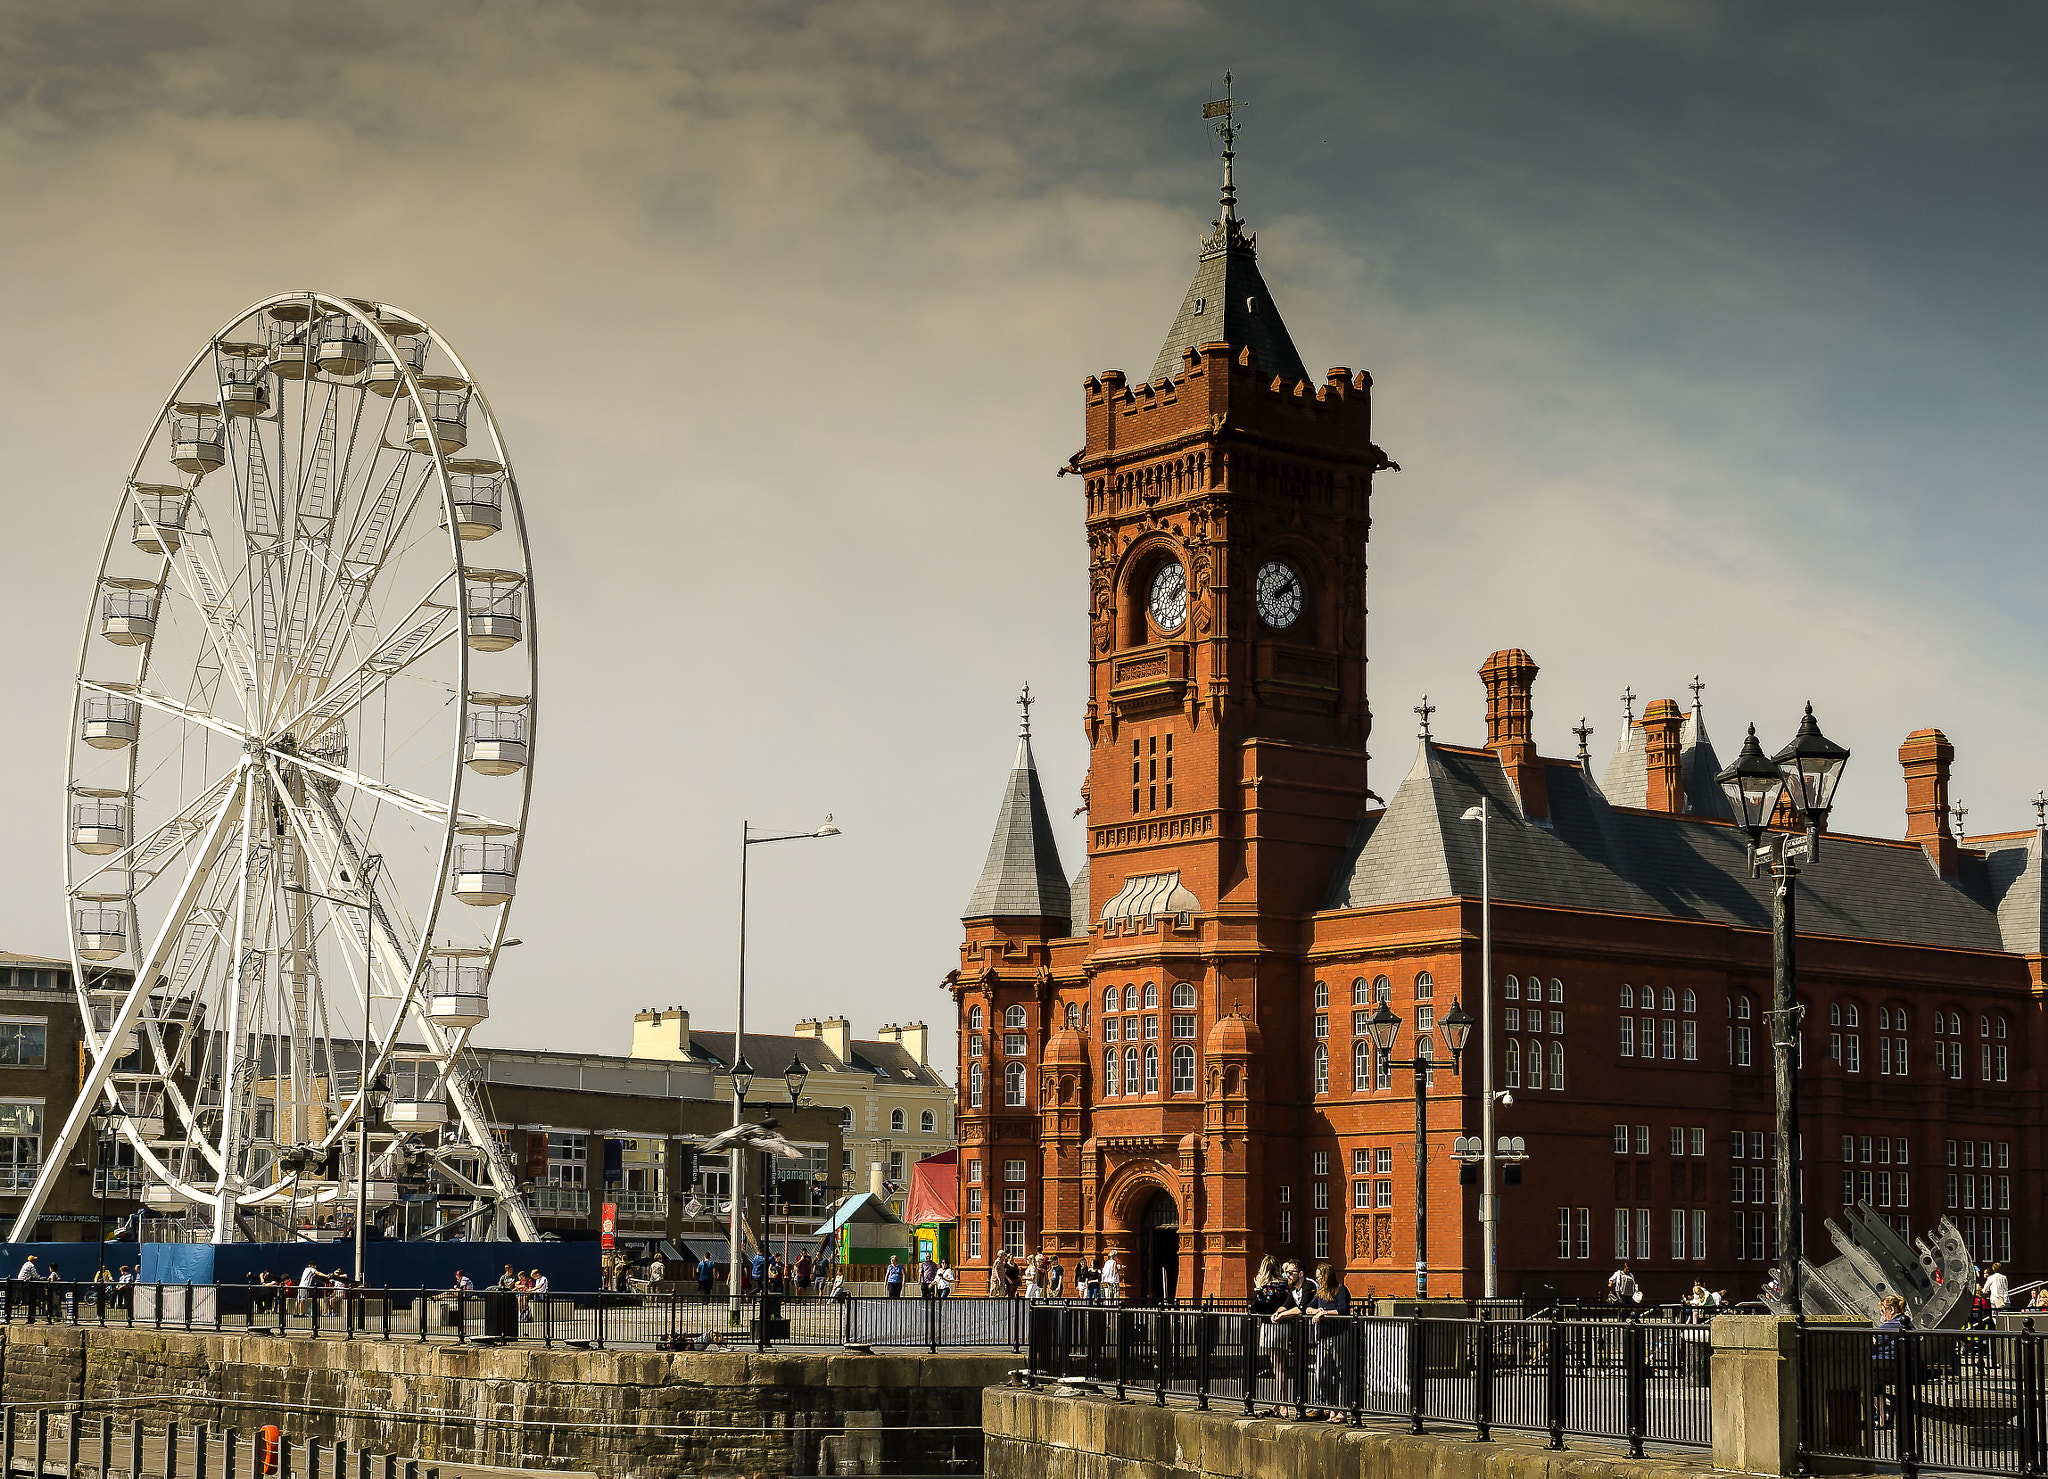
{"type": "Point", "coordinates": [1022, 878]}
{"type": "Point", "coordinates": [1228, 302]}
{"type": "Point", "coordinates": [769, 1053]}
{"type": "Point", "coordinates": [1594, 855]}
{"type": "Point", "coordinates": [1626, 781]}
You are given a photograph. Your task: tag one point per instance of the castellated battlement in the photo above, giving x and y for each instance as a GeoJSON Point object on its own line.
{"type": "Point", "coordinates": [1221, 389]}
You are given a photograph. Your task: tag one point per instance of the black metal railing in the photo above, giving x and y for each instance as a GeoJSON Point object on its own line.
{"type": "Point", "coordinates": [1964, 1401]}
{"type": "Point", "coordinates": [1636, 1381]}
{"type": "Point", "coordinates": [657, 1319]}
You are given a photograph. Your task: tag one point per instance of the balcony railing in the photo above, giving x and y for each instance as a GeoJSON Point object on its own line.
{"type": "Point", "coordinates": [560, 1200]}
{"type": "Point", "coordinates": [118, 1181]}
{"type": "Point", "coordinates": [636, 1203]}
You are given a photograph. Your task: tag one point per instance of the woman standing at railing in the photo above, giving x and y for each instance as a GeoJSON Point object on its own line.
{"type": "Point", "coordinates": [1884, 1355]}
{"type": "Point", "coordinates": [1269, 1297]}
{"type": "Point", "coordinates": [1329, 1317]}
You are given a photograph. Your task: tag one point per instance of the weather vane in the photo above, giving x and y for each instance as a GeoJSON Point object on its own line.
{"type": "Point", "coordinates": [1425, 709]}
{"type": "Point", "coordinates": [1224, 111]}
{"type": "Point", "coordinates": [1024, 702]}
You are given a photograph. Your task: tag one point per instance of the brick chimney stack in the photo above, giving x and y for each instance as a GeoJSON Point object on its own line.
{"type": "Point", "coordinates": [1661, 723]}
{"type": "Point", "coordinates": [1926, 756]}
{"type": "Point", "coordinates": [1510, 676]}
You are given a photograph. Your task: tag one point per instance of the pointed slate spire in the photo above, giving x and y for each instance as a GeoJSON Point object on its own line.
{"type": "Point", "coordinates": [1022, 878]}
{"type": "Point", "coordinates": [1228, 301]}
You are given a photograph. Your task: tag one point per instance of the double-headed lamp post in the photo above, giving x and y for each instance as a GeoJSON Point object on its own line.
{"type": "Point", "coordinates": [793, 1078]}
{"type": "Point", "coordinates": [1385, 1027]}
{"type": "Point", "coordinates": [1807, 770]}
{"type": "Point", "coordinates": [739, 1059]}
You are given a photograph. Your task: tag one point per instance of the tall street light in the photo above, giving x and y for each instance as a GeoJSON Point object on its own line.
{"type": "Point", "coordinates": [1385, 1027]}
{"type": "Point", "coordinates": [1489, 1195]}
{"type": "Point", "coordinates": [374, 1100]}
{"type": "Point", "coordinates": [793, 1078]}
{"type": "Point", "coordinates": [1808, 770]}
{"type": "Point", "coordinates": [739, 1031]}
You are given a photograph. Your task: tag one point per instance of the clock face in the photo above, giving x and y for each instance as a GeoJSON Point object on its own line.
{"type": "Point", "coordinates": [1278, 592]}
{"type": "Point", "coordinates": [1170, 597]}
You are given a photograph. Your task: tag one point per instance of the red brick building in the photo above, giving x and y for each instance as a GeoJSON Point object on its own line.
{"type": "Point", "coordinates": [1167, 1055]}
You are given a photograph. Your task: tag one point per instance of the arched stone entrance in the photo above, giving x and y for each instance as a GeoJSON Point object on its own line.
{"type": "Point", "coordinates": [1158, 1262]}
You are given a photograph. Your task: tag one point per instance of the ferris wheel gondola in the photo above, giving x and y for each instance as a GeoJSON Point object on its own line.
{"type": "Point", "coordinates": [302, 727]}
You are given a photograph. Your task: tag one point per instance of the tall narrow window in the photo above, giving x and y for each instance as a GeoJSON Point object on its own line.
{"type": "Point", "coordinates": [1691, 1041]}
{"type": "Point", "coordinates": [974, 1089]}
{"type": "Point", "coordinates": [1535, 1063]}
{"type": "Point", "coordinates": [1169, 772]}
{"type": "Point", "coordinates": [1131, 1078]}
{"type": "Point", "coordinates": [1628, 1037]}
{"type": "Point", "coordinates": [1322, 1068]}
{"type": "Point", "coordinates": [1361, 1065]}
{"type": "Point", "coordinates": [1013, 1086]}
{"type": "Point", "coordinates": [1183, 1069]}
{"type": "Point", "coordinates": [1514, 1064]}
{"type": "Point", "coordinates": [1151, 1069]}
{"type": "Point", "coordinates": [1112, 1074]}
{"type": "Point", "coordinates": [1557, 1065]}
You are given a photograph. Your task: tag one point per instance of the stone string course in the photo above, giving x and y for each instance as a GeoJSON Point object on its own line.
{"type": "Point", "coordinates": [458, 1404]}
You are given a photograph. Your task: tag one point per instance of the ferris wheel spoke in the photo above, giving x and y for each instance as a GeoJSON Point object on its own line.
{"type": "Point", "coordinates": [430, 624]}
{"type": "Point", "coordinates": [421, 806]}
{"type": "Point", "coordinates": [164, 703]}
{"type": "Point", "coordinates": [153, 852]}
{"type": "Point", "coordinates": [206, 588]}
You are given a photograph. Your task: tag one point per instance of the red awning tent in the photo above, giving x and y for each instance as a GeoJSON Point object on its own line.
{"type": "Point", "coordinates": [934, 1190]}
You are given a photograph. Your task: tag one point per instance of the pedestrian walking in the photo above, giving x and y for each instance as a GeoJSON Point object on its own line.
{"type": "Point", "coordinates": [892, 1277]}
{"type": "Point", "coordinates": [1112, 1278]}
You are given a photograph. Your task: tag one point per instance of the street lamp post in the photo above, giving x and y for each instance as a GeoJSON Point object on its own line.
{"type": "Point", "coordinates": [1808, 770]}
{"type": "Point", "coordinates": [793, 1078]}
{"type": "Point", "coordinates": [374, 1100]}
{"type": "Point", "coordinates": [1385, 1027]}
{"type": "Point", "coordinates": [739, 1030]}
{"type": "Point", "coordinates": [1489, 1194]}
{"type": "Point", "coordinates": [103, 1120]}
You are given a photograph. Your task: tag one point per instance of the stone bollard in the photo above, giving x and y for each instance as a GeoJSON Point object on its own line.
{"type": "Point", "coordinates": [1755, 1393]}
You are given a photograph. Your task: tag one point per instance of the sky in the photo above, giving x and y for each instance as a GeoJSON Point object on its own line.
{"type": "Point", "coordinates": [1709, 338]}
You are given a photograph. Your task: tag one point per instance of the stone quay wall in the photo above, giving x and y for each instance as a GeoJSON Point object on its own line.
{"type": "Point", "coordinates": [1046, 1435]}
{"type": "Point", "coordinates": [632, 1414]}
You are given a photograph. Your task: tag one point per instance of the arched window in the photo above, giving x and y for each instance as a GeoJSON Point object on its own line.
{"type": "Point", "coordinates": [1322, 1068]}
{"type": "Point", "coordinates": [1361, 992]}
{"type": "Point", "coordinates": [973, 1017]}
{"type": "Point", "coordinates": [973, 1090]}
{"type": "Point", "coordinates": [1670, 1000]}
{"type": "Point", "coordinates": [1130, 998]}
{"type": "Point", "coordinates": [1835, 1015]}
{"type": "Point", "coordinates": [1512, 990]}
{"type": "Point", "coordinates": [1535, 1063]}
{"type": "Point", "coordinates": [1425, 987]}
{"type": "Point", "coordinates": [1131, 1079]}
{"type": "Point", "coordinates": [1109, 1000]}
{"type": "Point", "coordinates": [1014, 1017]}
{"type": "Point", "coordinates": [1556, 991]}
{"type": "Point", "coordinates": [1983, 1027]}
{"type": "Point", "coordinates": [1184, 996]}
{"type": "Point", "coordinates": [1557, 1065]}
{"type": "Point", "coordinates": [1999, 1026]}
{"type": "Point", "coordinates": [1692, 1003]}
{"type": "Point", "coordinates": [1183, 1069]}
{"type": "Point", "coordinates": [1955, 1024]}
{"type": "Point", "coordinates": [1852, 1014]}
{"type": "Point", "coordinates": [896, 1121]}
{"type": "Point", "coordinates": [1151, 994]}
{"type": "Point", "coordinates": [1382, 989]}
{"type": "Point", "coordinates": [1151, 1069]}
{"type": "Point", "coordinates": [1514, 1073]}
{"type": "Point", "coordinates": [846, 1117]}
{"type": "Point", "coordinates": [1013, 1086]}
{"type": "Point", "coordinates": [1742, 1009]}
{"type": "Point", "coordinates": [928, 1122]}
{"type": "Point", "coordinates": [1073, 1016]}
{"type": "Point", "coordinates": [1361, 1066]}
{"type": "Point", "coordinates": [1899, 1019]}
{"type": "Point", "coordinates": [1628, 997]}
{"type": "Point", "coordinates": [1322, 994]}
{"type": "Point", "coordinates": [1112, 1074]}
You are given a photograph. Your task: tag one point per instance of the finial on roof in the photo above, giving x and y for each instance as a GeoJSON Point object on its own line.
{"type": "Point", "coordinates": [1696, 686]}
{"type": "Point", "coordinates": [1628, 704]}
{"type": "Point", "coordinates": [1584, 731]}
{"type": "Point", "coordinates": [1024, 702]}
{"type": "Point", "coordinates": [2040, 809]}
{"type": "Point", "coordinates": [1959, 811]}
{"type": "Point", "coordinates": [1425, 709]}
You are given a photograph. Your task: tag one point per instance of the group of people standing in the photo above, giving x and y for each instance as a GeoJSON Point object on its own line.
{"type": "Point", "coordinates": [1294, 1307]}
{"type": "Point", "coordinates": [1043, 1276]}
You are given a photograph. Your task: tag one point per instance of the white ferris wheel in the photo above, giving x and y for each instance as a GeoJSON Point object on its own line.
{"type": "Point", "coordinates": [299, 771]}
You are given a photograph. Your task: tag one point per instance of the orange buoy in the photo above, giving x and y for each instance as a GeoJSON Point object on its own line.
{"type": "Point", "coordinates": [271, 1437]}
